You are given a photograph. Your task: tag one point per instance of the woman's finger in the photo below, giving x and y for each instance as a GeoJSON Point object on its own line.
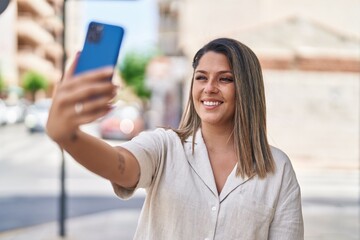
{"type": "Point", "coordinates": [96, 75]}
{"type": "Point", "coordinates": [83, 118]}
{"type": "Point", "coordinates": [94, 105]}
{"type": "Point", "coordinates": [87, 80]}
{"type": "Point", "coordinates": [90, 93]}
{"type": "Point", "coordinates": [69, 72]}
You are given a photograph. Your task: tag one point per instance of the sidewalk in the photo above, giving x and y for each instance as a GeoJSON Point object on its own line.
{"type": "Point", "coordinates": [101, 226]}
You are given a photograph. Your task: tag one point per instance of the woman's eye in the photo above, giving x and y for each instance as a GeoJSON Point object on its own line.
{"type": "Point", "coordinates": [226, 79]}
{"type": "Point", "coordinates": [200, 77]}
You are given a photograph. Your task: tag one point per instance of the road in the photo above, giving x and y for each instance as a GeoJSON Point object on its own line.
{"type": "Point", "coordinates": [29, 187]}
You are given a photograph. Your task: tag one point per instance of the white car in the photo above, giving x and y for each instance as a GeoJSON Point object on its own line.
{"type": "Point", "coordinates": [3, 113]}
{"type": "Point", "coordinates": [37, 115]}
{"type": "Point", "coordinates": [15, 112]}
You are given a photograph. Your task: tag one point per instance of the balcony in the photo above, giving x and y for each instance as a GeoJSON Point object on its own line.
{"type": "Point", "coordinates": [29, 61]}
{"type": "Point", "coordinates": [39, 8]}
{"type": "Point", "coordinates": [29, 30]}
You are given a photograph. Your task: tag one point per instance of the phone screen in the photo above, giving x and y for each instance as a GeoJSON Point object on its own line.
{"type": "Point", "coordinates": [101, 46]}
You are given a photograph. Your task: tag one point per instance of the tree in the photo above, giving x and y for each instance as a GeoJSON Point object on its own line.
{"type": "Point", "coordinates": [133, 71]}
{"type": "Point", "coordinates": [2, 86]}
{"type": "Point", "coordinates": [32, 82]}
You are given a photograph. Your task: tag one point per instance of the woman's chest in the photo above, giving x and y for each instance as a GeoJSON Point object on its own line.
{"type": "Point", "coordinates": [190, 205]}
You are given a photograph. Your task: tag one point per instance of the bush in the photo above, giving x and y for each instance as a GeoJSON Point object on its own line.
{"type": "Point", "coordinates": [33, 82]}
{"type": "Point", "coordinates": [133, 72]}
{"type": "Point", "coordinates": [2, 85]}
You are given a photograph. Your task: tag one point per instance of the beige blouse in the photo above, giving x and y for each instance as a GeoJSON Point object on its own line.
{"type": "Point", "coordinates": [182, 200]}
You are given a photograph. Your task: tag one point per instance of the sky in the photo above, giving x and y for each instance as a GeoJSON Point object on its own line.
{"type": "Point", "coordinates": [138, 17]}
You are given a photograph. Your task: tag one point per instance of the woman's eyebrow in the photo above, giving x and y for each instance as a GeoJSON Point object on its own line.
{"type": "Point", "coordinates": [221, 72]}
{"type": "Point", "coordinates": [225, 71]}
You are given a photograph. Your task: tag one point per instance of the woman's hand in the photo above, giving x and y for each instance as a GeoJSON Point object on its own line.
{"type": "Point", "coordinates": [79, 100]}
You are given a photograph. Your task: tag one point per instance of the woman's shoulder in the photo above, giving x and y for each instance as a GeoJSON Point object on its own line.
{"type": "Point", "coordinates": [162, 134]}
{"type": "Point", "coordinates": [281, 159]}
{"type": "Point", "coordinates": [284, 170]}
{"type": "Point", "coordinates": [152, 140]}
{"type": "Point", "coordinates": [278, 154]}
{"type": "Point", "coordinates": [160, 131]}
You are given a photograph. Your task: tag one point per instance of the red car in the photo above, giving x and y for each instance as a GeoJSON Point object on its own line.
{"type": "Point", "coordinates": [124, 122]}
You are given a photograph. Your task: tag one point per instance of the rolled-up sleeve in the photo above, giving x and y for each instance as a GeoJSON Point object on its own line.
{"type": "Point", "coordinates": [148, 149]}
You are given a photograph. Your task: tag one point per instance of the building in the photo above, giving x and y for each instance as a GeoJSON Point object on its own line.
{"type": "Point", "coordinates": [8, 45]}
{"type": "Point", "coordinates": [201, 20]}
{"type": "Point", "coordinates": [169, 31]}
{"type": "Point", "coordinates": [34, 42]}
{"type": "Point", "coordinates": [310, 54]}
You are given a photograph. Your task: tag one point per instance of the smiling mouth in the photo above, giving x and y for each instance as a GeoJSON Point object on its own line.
{"type": "Point", "coordinates": [211, 103]}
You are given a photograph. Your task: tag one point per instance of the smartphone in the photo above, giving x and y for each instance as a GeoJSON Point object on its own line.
{"type": "Point", "coordinates": [101, 47]}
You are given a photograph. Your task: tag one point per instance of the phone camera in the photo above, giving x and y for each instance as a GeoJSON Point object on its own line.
{"type": "Point", "coordinates": [95, 33]}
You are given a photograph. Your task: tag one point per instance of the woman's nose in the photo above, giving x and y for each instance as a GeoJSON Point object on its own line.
{"type": "Point", "coordinates": [211, 87]}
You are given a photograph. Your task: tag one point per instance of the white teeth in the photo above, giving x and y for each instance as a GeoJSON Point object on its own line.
{"type": "Point", "coordinates": [208, 103]}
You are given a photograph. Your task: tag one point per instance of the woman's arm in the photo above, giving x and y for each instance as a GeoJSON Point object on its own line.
{"type": "Point", "coordinates": [74, 104]}
{"type": "Point", "coordinates": [113, 163]}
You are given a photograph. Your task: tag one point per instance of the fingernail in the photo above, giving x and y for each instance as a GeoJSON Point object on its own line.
{"type": "Point", "coordinates": [110, 106]}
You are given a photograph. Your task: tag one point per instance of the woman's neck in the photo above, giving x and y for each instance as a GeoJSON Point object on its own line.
{"type": "Point", "coordinates": [216, 137]}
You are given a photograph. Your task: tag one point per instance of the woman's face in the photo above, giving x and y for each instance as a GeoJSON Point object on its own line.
{"type": "Point", "coordinates": [214, 90]}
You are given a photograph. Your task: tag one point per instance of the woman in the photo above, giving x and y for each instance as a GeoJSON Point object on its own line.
{"type": "Point", "coordinates": [215, 177]}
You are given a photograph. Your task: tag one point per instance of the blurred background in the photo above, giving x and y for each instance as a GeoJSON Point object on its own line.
{"type": "Point", "coordinates": [310, 55]}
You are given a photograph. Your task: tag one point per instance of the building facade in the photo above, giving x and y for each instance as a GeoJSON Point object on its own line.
{"type": "Point", "coordinates": [34, 40]}
{"type": "Point", "coordinates": [310, 54]}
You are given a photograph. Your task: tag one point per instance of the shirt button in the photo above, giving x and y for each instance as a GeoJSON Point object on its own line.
{"type": "Point", "coordinates": [207, 239]}
{"type": "Point", "coordinates": [213, 208]}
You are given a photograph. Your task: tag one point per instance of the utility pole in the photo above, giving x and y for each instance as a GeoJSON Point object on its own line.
{"type": "Point", "coordinates": [62, 197]}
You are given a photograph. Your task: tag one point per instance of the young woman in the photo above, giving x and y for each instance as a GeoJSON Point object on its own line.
{"type": "Point", "coordinates": [215, 177]}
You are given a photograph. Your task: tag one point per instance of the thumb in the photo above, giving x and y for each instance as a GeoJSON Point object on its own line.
{"type": "Point", "coordinates": [70, 68]}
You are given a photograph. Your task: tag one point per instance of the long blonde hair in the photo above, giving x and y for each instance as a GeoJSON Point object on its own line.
{"type": "Point", "coordinates": [250, 136]}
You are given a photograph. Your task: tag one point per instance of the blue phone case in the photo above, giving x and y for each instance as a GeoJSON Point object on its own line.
{"type": "Point", "coordinates": [101, 47]}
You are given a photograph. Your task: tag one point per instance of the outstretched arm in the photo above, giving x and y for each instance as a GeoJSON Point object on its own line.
{"type": "Point", "coordinates": [74, 104]}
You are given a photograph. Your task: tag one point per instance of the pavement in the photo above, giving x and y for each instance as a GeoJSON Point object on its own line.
{"type": "Point", "coordinates": [104, 225]}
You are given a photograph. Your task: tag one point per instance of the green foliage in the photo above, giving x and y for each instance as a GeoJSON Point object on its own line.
{"type": "Point", "coordinates": [2, 84]}
{"type": "Point", "coordinates": [33, 82]}
{"type": "Point", "coordinates": [133, 72]}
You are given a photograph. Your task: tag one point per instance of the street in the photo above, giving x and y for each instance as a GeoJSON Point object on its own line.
{"type": "Point", "coordinates": [30, 183]}
{"type": "Point", "coordinates": [29, 190]}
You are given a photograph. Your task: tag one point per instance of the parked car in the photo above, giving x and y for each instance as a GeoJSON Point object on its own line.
{"type": "Point", "coordinates": [124, 122]}
{"type": "Point", "coordinates": [2, 113]}
{"type": "Point", "coordinates": [15, 112]}
{"type": "Point", "coordinates": [37, 115]}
